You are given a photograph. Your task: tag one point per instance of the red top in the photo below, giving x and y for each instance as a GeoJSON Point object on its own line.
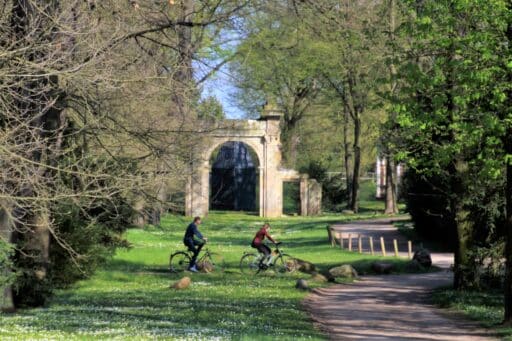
{"type": "Point", "coordinates": [260, 235]}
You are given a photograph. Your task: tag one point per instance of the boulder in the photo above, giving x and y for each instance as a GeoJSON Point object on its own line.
{"type": "Point", "coordinates": [303, 266]}
{"type": "Point", "coordinates": [319, 278]}
{"type": "Point", "coordinates": [204, 266]}
{"type": "Point", "coordinates": [345, 270]}
{"type": "Point", "coordinates": [182, 283]}
{"type": "Point", "coordinates": [302, 284]}
{"type": "Point", "coordinates": [348, 212]}
{"type": "Point", "coordinates": [423, 258]}
{"type": "Point", "coordinates": [382, 267]}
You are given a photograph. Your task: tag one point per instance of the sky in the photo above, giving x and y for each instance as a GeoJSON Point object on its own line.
{"type": "Point", "coordinates": [221, 86]}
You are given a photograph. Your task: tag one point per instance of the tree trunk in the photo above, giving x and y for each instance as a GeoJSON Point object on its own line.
{"type": "Point", "coordinates": [348, 155]}
{"type": "Point", "coordinates": [391, 205]}
{"type": "Point", "coordinates": [354, 205]}
{"type": "Point", "coordinates": [183, 76]}
{"type": "Point", "coordinates": [463, 271]}
{"type": "Point", "coordinates": [390, 200]}
{"type": "Point", "coordinates": [39, 104]}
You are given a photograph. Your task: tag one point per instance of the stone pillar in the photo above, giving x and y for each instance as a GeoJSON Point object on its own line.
{"type": "Point", "coordinates": [205, 190]}
{"type": "Point", "coordinates": [261, 175]}
{"type": "Point", "coordinates": [314, 202]}
{"type": "Point", "coordinates": [197, 196]}
{"type": "Point", "coordinates": [272, 182]}
{"type": "Point", "coordinates": [304, 195]}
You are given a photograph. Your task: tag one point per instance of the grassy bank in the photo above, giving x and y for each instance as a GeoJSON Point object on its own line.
{"type": "Point", "coordinates": [486, 307]}
{"type": "Point", "coordinates": [129, 298]}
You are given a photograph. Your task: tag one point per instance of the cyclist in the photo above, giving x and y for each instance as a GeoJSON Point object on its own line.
{"type": "Point", "coordinates": [193, 244]}
{"type": "Point", "coordinates": [257, 242]}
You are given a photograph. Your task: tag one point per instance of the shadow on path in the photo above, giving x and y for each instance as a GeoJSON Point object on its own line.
{"type": "Point", "coordinates": [393, 307]}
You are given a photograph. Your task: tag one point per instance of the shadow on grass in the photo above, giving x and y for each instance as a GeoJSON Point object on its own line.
{"type": "Point", "coordinates": [486, 307]}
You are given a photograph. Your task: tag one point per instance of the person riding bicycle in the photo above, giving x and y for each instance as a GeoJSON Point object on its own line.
{"type": "Point", "coordinates": [257, 241]}
{"type": "Point", "coordinates": [191, 242]}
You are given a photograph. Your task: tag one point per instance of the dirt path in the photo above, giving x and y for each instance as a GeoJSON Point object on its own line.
{"type": "Point", "coordinates": [389, 307]}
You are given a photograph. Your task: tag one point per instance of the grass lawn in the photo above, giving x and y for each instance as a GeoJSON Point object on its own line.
{"type": "Point", "coordinates": [486, 307]}
{"type": "Point", "coordinates": [130, 298]}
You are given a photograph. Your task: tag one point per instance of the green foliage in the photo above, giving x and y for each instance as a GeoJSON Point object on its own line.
{"type": "Point", "coordinates": [334, 191]}
{"type": "Point", "coordinates": [130, 297]}
{"type": "Point", "coordinates": [90, 242]}
{"type": "Point", "coordinates": [292, 58]}
{"type": "Point", "coordinates": [448, 114]}
{"type": "Point", "coordinates": [210, 109]}
{"type": "Point", "coordinates": [84, 234]}
{"type": "Point", "coordinates": [291, 198]}
{"type": "Point", "coordinates": [7, 277]}
{"type": "Point", "coordinates": [429, 207]}
{"type": "Point", "coordinates": [486, 307]}
{"type": "Point", "coordinates": [80, 243]}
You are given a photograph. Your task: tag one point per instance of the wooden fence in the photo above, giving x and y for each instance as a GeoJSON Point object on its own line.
{"type": "Point", "coordinates": [338, 237]}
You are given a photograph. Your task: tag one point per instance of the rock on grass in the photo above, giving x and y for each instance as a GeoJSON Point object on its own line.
{"type": "Point", "coordinates": [182, 283]}
{"type": "Point", "coordinates": [302, 284]}
{"type": "Point", "coordinates": [302, 266]}
{"type": "Point", "coordinates": [345, 270]}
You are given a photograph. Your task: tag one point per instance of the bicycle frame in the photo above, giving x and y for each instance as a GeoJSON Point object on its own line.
{"type": "Point", "coordinates": [276, 256]}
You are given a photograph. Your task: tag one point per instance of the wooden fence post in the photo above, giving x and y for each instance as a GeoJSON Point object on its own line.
{"type": "Point", "coordinates": [333, 234]}
{"type": "Point", "coordinates": [409, 249]}
{"type": "Point", "coordinates": [360, 244]}
{"type": "Point", "coordinates": [395, 245]}
{"type": "Point", "coordinates": [349, 242]}
{"type": "Point", "coordinates": [383, 246]}
{"type": "Point", "coordinates": [371, 245]}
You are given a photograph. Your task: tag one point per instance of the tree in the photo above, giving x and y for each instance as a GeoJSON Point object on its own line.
{"type": "Point", "coordinates": [277, 63]}
{"type": "Point", "coordinates": [391, 206]}
{"type": "Point", "coordinates": [446, 115]}
{"type": "Point", "coordinates": [353, 66]}
{"type": "Point", "coordinates": [77, 81]}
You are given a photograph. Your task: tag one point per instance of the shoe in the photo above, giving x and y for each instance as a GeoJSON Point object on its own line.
{"type": "Point", "coordinates": [193, 269]}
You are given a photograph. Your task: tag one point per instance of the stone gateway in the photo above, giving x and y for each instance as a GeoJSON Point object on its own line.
{"type": "Point", "coordinates": [263, 137]}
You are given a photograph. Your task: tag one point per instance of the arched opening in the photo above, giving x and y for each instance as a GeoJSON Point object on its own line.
{"type": "Point", "coordinates": [234, 178]}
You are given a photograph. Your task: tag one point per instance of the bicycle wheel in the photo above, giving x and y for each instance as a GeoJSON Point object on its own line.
{"type": "Point", "coordinates": [217, 261]}
{"type": "Point", "coordinates": [179, 262]}
{"type": "Point", "coordinates": [249, 264]}
{"type": "Point", "coordinates": [284, 264]}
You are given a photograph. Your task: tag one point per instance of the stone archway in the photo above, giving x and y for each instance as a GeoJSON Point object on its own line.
{"type": "Point", "coordinates": [263, 136]}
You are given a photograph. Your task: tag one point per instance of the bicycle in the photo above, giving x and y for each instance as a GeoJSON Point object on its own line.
{"type": "Point", "coordinates": [252, 263]}
{"type": "Point", "coordinates": [180, 260]}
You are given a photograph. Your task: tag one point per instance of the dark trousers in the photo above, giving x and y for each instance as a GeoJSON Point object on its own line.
{"type": "Point", "coordinates": [262, 248]}
{"type": "Point", "coordinates": [194, 246]}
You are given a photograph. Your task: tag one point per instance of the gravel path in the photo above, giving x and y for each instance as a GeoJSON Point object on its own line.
{"type": "Point", "coordinates": [393, 307]}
